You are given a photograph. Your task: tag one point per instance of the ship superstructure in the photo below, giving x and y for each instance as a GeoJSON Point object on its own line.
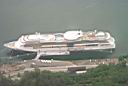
{"type": "Point", "coordinates": [63, 43]}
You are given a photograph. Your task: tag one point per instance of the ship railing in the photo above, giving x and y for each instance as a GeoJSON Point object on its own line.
{"type": "Point", "coordinates": [90, 48]}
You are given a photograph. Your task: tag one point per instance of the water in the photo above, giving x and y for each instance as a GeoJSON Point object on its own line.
{"type": "Point", "coordinates": [19, 17]}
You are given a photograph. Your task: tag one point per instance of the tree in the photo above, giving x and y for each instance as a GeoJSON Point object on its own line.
{"type": "Point", "coordinates": [5, 81]}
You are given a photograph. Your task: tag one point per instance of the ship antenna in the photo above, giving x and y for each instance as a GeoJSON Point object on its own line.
{"type": "Point", "coordinates": [95, 31]}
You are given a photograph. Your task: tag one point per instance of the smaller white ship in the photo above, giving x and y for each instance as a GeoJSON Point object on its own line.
{"type": "Point", "coordinates": [63, 43]}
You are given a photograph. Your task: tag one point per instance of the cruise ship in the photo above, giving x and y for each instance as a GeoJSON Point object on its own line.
{"type": "Point", "coordinates": [63, 43]}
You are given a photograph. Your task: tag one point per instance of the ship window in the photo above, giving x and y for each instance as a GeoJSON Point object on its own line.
{"type": "Point", "coordinates": [92, 45]}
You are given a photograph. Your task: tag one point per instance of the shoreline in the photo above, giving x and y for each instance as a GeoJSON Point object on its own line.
{"type": "Point", "coordinates": [51, 65]}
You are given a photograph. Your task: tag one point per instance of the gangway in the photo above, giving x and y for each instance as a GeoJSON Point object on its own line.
{"type": "Point", "coordinates": [49, 53]}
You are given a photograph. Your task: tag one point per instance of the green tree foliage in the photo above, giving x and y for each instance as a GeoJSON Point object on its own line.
{"type": "Point", "coordinates": [104, 75]}
{"type": "Point", "coordinates": [45, 78]}
{"type": "Point", "coordinates": [122, 60]}
{"type": "Point", "coordinates": [5, 81]}
{"type": "Point", "coordinates": [112, 75]}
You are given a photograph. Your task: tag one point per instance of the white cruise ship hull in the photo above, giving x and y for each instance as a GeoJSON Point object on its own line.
{"type": "Point", "coordinates": [62, 44]}
{"type": "Point", "coordinates": [60, 51]}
